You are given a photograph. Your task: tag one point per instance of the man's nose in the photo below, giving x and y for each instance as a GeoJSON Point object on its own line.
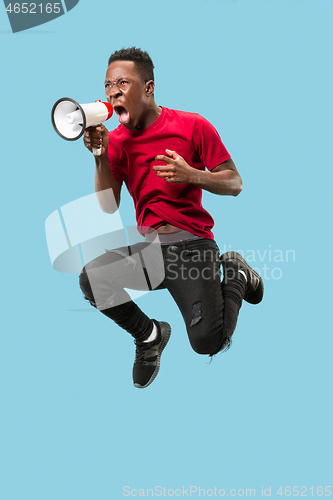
{"type": "Point", "coordinates": [114, 91]}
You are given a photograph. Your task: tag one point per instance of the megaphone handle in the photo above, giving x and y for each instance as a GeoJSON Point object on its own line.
{"type": "Point", "coordinates": [97, 152]}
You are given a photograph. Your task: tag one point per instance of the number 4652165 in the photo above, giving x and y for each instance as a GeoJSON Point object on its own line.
{"type": "Point", "coordinates": [304, 491]}
{"type": "Point", "coordinates": [32, 8]}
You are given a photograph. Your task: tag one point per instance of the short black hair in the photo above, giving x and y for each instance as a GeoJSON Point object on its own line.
{"type": "Point", "coordinates": [141, 58]}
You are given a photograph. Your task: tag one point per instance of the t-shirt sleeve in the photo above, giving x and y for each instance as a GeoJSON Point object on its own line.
{"type": "Point", "coordinates": [115, 165]}
{"type": "Point", "coordinates": [116, 174]}
{"type": "Point", "coordinates": [208, 144]}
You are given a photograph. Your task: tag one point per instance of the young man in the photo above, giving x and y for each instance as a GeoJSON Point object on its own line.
{"type": "Point", "coordinates": [162, 156]}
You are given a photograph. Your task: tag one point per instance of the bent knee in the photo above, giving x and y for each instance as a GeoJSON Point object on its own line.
{"type": "Point", "coordinates": [85, 285]}
{"type": "Point", "coordinates": [205, 344]}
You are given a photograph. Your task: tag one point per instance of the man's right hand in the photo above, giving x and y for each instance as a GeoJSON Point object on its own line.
{"type": "Point", "coordinates": [96, 137]}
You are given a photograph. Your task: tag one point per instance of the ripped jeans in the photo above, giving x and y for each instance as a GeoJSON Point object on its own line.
{"type": "Point", "coordinates": [191, 275]}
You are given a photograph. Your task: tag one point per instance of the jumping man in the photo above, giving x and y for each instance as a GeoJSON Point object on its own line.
{"type": "Point", "coordinates": [165, 158]}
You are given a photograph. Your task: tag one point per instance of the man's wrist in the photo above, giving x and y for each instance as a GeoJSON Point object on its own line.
{"type": "Point", "coordinates": [197, 177]}
{"type": "Point", "coordinates": [102, 160]}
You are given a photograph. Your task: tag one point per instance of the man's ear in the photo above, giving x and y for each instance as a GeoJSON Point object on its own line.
{"type": "Point", "coordinates": [150, 86]}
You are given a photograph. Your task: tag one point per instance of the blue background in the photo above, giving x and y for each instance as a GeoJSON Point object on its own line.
{"type": "Point", "coordinates": [260, 415]}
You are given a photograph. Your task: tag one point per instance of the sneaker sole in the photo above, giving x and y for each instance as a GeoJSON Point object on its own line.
{"type": "Point", "coordinates": [250, 297]}
{"type": "Point", "coordinates": [167, 331]}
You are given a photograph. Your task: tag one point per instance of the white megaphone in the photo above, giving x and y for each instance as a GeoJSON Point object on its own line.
{"type": "Point", "coordinates": [70, 119]}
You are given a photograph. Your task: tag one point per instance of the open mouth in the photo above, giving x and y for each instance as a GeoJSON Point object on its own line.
{"type": "Point", "coordinates": [123, 115]}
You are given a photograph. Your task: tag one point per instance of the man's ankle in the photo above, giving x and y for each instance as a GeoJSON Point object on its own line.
{"type": "Point", "coordinates": [153, 335]}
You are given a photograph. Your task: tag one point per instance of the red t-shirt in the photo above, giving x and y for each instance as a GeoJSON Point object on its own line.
{"type": "Point", "coordinates": [132, 155]}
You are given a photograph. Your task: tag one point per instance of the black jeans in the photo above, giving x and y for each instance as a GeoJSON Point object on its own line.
{"type": "Point", "coordinates": [192, 276]}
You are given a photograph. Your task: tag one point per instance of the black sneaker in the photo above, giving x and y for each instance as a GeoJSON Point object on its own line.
{"type": "Point", "coordinates": [148, 355]}
{"type": "Point", "coordinates": [254, 291]}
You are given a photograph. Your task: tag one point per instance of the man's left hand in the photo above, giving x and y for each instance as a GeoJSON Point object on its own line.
{"type": "Point", "coordinates": [176, 169]}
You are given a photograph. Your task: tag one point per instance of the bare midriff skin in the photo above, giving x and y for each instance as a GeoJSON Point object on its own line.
{"type": "Point", "coordinates": [167, 229]}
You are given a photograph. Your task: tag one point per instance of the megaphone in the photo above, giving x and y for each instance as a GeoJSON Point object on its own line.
{"type": "Point", "coordinates": [70, 119]}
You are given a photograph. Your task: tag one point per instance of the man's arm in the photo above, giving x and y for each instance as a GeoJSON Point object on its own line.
{"type": "Point", "coordinates": [98, 137]}
{"type": "Point", "coordinates": [223, 179]}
